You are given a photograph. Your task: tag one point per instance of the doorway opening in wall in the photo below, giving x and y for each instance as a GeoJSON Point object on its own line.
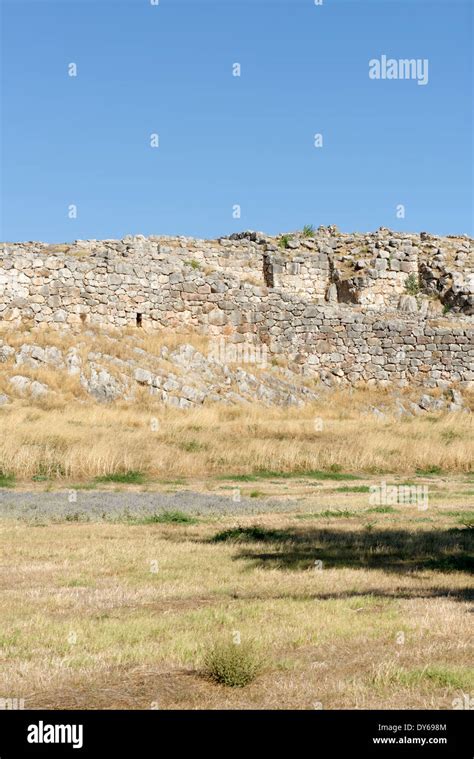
{"type": "Point", "coordinates": [139, 320]}
{"type": "Point", "coordinates": [268, 272]}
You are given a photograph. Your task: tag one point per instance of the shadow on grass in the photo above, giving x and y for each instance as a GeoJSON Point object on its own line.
{"type": "Point", "coordinates": [465, 593]}
{"type": "Point", "coordinates": [384, 549]}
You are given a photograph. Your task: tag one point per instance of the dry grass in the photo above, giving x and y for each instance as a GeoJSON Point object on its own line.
{"type": "Point", "coordinates": [67, 435]}
{"type": "Point", "coordinates": [88, 623]}
{"type": "Point", "coordinates": [80, 440]}
{"type": "Point", "coordinates": [115, 342]}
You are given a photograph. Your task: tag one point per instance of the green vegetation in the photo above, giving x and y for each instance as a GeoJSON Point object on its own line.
{"type": "Point", "coordinates": [440, 676]}
{"type": "Point", "coordinates": [329, 514]}
{"type": "Point", "coordinates": [84, 486]}
{"type": "Point", "coordinates": [412, 285]}
{"type": "Point", "coordinates": [232, 664]}
{"type": "Point", "coordinates": [45, 472]}
{"type": "Point", "coordinates": [331, 475]}
{"type": "Point", "coordinates": [192, 446]}
{"type": "Point", "coordinates": [430, 470]}
{"type": "Point", "coordinates": [166, 517]}
{"type": "Point", "coordinates": [308, 230]}
{"type": "Point", "coordinates": [6, 480]}
{"type": "Point", "coordinates": [131, 477]}
{"type": "Point", "coordinates": [284, 240]}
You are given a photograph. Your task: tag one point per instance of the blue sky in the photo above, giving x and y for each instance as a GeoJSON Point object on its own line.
{"type": "Point", "coordinates": [225, 140]}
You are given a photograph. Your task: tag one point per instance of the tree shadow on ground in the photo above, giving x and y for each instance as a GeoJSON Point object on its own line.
{"type": "Point", "coordinates": [383, 549]}
{"type": "Point", "coordinates": [464, 594]}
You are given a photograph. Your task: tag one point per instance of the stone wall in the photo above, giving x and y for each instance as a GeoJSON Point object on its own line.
{"type": "Point", "coordinates": [337, 306]}
{"type": "Point", "coordinates": [341, 344]}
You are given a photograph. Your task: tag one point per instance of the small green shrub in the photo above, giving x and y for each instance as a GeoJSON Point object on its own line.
{"type": "Point", "coordinates": [284, 240]}
{"type": "Point", "coordinates": [234, 665]}
{"type": "Point", "coordinates": [308, 230]}
{"type": "Point", "coordinates": [412, 285]}
{"type": "Point", "coordinates": [193, 263]}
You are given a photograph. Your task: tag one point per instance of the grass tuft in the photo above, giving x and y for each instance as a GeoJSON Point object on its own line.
{"type": "Point", "coordinates": [354, 489]}
{"type": "Point", "coordinates": [233, 665]}
{"type": "Point", "coordinates": [439, 676]}
{"type": "Point", "coordinates": [430, 470]}
{"type": "Point", "coordinates": [308, 230]}
{"type": "Point", "coordinates": [6, 480]}
{"type": "Point", "coordinates": [132, 477]}
{"type": "Point", "coordinates": [167, 517]}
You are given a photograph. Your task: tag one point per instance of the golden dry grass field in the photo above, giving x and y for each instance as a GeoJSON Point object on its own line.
{"type": "Point", "coordinates": [350, 605]}
{"type": "Point", "coordinates": [74, 441]}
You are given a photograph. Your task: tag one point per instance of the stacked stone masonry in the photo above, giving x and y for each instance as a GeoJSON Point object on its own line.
{"type": "Point", "coordinates": [379, 308]}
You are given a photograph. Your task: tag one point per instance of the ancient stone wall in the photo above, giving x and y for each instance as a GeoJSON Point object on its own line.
{"type": "Point", "coordinates": [347, 308]}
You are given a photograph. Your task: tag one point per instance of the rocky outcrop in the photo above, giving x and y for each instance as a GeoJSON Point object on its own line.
{"type": "Point", "coordinates": [25, 386]}
{"type": "Point", "coordinates": [183, 377]}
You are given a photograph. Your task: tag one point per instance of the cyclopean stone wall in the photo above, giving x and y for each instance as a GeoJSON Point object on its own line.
{"type": "Point", "coordinates": [380, 308]}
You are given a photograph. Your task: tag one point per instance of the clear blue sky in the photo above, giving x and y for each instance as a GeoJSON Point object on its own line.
{"type": "Point", "coordinates": [167, 69]}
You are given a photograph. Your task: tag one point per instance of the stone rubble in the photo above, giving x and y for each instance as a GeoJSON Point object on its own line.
{"type": "Point", "coordinates": [183, 377]}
